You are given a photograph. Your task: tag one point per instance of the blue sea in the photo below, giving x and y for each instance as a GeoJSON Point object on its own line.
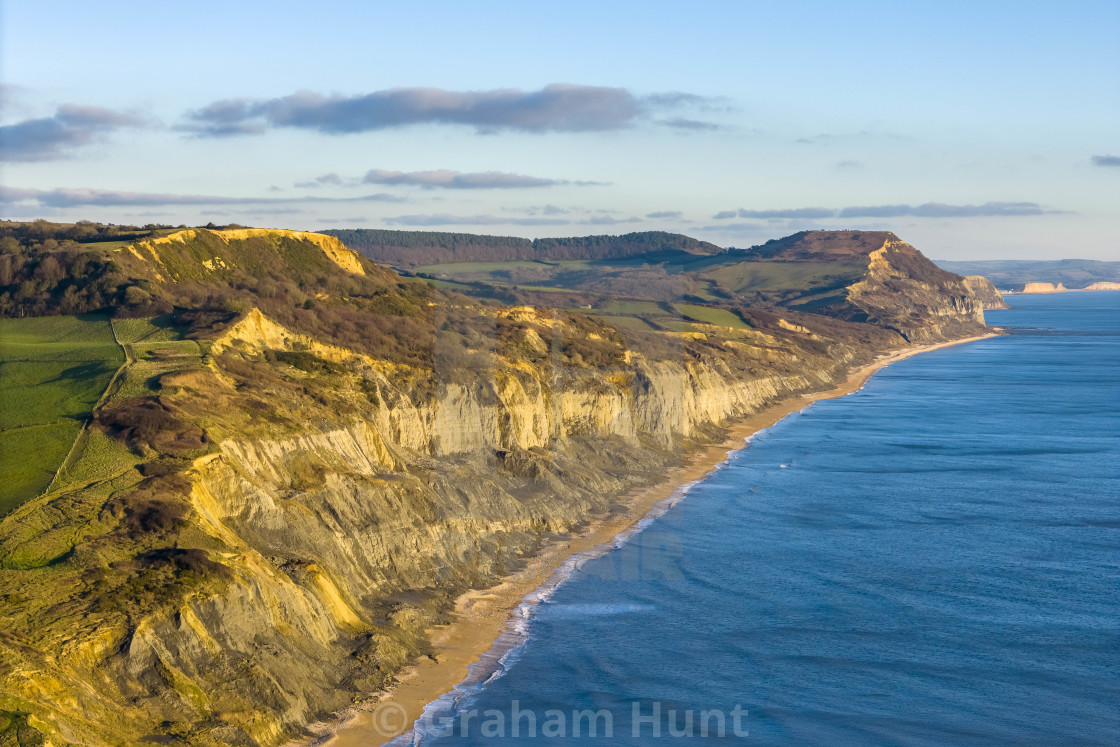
{"type": "Point", "coordinates": [934, 559]}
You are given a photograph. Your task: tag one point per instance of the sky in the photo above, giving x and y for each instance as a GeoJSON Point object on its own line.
{"type": "Point", "coordinates": [985, 130]}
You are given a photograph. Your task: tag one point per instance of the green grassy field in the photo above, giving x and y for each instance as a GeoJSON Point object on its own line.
{"type": "Point", "coordinates": [153, 329]}
{"type": "Point", "coordinates": [674, 325]}
{"type": "Point", "coordinates": [722, 317]}
{"type": "Point", "coordinates": [634, 323]}
{"type": "Point", "coordinates": [714, 277]}
{"type": "Point", "coordinates": [448, 285]}
{"type": "Point", "coordinates": [481, 268]}
{"type": "Point", "coordinates": [52, 372]}
{"type": "Point", "coordinates": [648, 293]}
{"type": "Point", "coordinates": [748, 277]}
{"type": "Point", "coordinates": [153, 360]}
{"type": "Point", "coordinates": [635, 308]}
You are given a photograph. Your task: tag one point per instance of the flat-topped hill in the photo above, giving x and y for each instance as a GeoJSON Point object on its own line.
{"type": "Point", "coordinates": [818, 246]}
{"type": "Point", "coordinates": [416, 248]}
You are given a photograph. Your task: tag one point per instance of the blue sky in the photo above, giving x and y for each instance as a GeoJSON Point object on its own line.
{"type": "Point", "coordinates": [973, 130]}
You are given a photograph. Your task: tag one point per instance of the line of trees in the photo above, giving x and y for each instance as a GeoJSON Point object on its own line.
{"type": "Point", "coordinates": [417, 248]}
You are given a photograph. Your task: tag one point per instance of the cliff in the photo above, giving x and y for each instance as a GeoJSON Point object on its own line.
{"type": "Point", "coordinates": [898, 288]}
{"type": "Point", "coordinates": [233, 596]}
{"type": "Point", "coordinates": [1039, 287]}
{"type": "Point", "coordinates": [982, 288]}
{"type": "Point", "coordinates": [261, 535]}
{"type": "Point", "coordinates": [1015, 274]}
{"type": "Point", "coordinates": [1059, 288]}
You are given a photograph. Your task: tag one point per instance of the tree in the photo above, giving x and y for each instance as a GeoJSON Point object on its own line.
{"type": "Point", "coordinates": [134, 295]}
{"type": "Point", "coordinates": [49, 269]}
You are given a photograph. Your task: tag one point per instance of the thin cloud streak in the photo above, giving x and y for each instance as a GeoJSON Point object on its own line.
{"type": "Point", "coordinates": [559, 107]}
{"type": "Point", "coordinates": [326, 180]}
{"type": "Point", "coordinates": [683, 123]}
{"type": "Point", "coordinates": [1108, 161]}
{"type": "Point", "coordinates": [926, 210]}
{"type": "Point", "coordinates": [941, 210]}
{"type": "Point", "coordinates": [810, 212]}
{"type": "Point", "coordinates": [447, 179]}
{"type": "Point", "coordinates": [85, 197]}
{"type": "Point", "coordinates": [771, 214]}
{"type": "Point", "coordinates": [607, 220]}
{"type": "Point", "coordinates": [444, 219]}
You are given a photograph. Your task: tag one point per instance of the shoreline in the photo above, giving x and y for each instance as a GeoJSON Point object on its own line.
{"type": "Point", "coordinates": [1055, 291]}
{"type": "Point", "coordinates": [482, 616]}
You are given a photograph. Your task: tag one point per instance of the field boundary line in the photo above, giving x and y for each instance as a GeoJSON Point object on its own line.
{"type": "Point", "coordinates": [83, 433]}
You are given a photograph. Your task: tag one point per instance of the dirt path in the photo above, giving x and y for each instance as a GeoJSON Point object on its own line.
{"type": "Point", "coordinates": [79, 444]}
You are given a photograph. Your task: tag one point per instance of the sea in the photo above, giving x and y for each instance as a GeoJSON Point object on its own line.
{"type": "Point", "coordinates": [934, 559]}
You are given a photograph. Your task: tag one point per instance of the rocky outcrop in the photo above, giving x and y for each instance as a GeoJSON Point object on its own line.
{"type": "Point", "coordinates": [983, 289]}
{"type": "Point", "coordinates": [1043, 288]}
{"type": "Point", "coordinates": [900, 288]}
{"type": "Point", "coordinates": [1103, 285]}
{"type": "Point", "coordinates": [904, 291]}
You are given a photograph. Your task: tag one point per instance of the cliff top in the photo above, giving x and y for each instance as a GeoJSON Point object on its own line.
{"type": "Point", "coordinates": [827, 246]}
{"type": "Point", "coordinates": [332, 248]}
{"type": "Point", "coordinates": [417, 248]}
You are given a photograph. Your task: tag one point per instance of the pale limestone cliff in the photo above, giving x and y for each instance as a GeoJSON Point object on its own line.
{"type": "Point", "coordinates": [989, 296]}
{"type": "Point", "coordinates": [1043, 288]}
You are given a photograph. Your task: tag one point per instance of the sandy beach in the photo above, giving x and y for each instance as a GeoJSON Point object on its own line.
{"type": "Point", "coordinates": [482, 615]}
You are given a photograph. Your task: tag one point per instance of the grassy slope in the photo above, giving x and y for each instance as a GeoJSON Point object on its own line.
{"type": "Point", "coordinates": [617, 287]}
{"type": "Point", "coordinates": [782, 277]}
{"type": "Point", "coordinates": [52, 372]}
{"type": "Point", "coordinates": [66, 363]}
{"type": "Point", "coordinates": [157, 347]}
{"type": "Point", "coordinates": [732, 271]}
{"type": "Point", "coordinates": [709, 315]}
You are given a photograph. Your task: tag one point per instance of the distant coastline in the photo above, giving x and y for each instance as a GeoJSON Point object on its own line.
{"type": "Point", "coordinates": [1041, 288]}
{"type": "Point", "coordinates": [484, 617]}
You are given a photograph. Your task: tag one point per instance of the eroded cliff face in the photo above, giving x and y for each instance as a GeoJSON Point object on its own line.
{"type": "Point", "coordinates": [897, 287]}
{"type": "Point", "coordinates": [1041, 287]}
{"type": "Point", "coordinates": [327, 531]}
{"type": "Point", "coordinates": [904, 291]}
{"type": "Point", "coordinates": [318, 552]}
{"type": "Point", "coordinates": [989, 296]}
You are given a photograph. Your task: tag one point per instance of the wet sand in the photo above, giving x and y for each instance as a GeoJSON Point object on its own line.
{"type": "Point", "coordinates": [482, 615]}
